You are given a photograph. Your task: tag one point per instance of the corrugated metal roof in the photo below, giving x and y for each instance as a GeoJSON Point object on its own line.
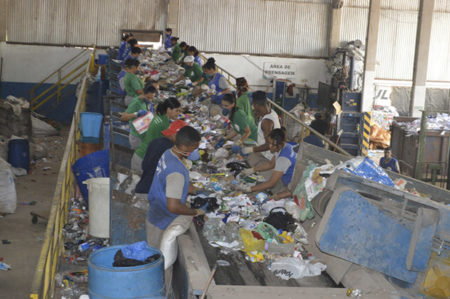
{"type": "Point", "coordinates": [439, 58]}
{"type": "Point", "coordinates": [256, 26]}
{"type": "Point", "coordinates": [311, 30]}
{"type": "Point", "coordinates": [354, 24]}
{"type": "Point", "coordinates": [356, 3]}
{"type": "Point", "coordinates": [400, 4]}
{"type": "Point", "coordinates": [3, 19]}
{"type": "Point", "coordinates": [396, 44]}
{"type": "Point", "coordinates": [442, 5]}
{"type": "Point", "coordinates": [81, 22]}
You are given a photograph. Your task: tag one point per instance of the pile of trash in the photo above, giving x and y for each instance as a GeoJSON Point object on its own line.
{"type": "Point", "coordinates": [339, 65]}
{"type": "Point", "coordinates": [438, 122]}
{"type": "Point", "coordinates": [78, 245]}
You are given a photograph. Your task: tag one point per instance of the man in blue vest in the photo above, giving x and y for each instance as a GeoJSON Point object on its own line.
{"type": "Point", "coordinates": [170, 186]}
{"type": "Point", "coordinates": [168, 38]}
{"type": "Point", "coordinates": [389, 163]}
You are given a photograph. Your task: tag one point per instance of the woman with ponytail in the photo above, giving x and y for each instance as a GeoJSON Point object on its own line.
{"type": "Point", "coordinates": [240, 122]}
{"type": "Point", "coordinates": [243, 102]}
{"type": "Point", "coordinates": [217, 82]}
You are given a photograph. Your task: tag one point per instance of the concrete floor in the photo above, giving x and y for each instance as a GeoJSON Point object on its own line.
{"type": "Point", "coordinates": [27, 238]}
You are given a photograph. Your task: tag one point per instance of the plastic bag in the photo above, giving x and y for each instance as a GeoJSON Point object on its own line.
{"type": "Point", "coordinates": [371, 171]}
{"type": "Point", "coordinates": [169, 245]}
{"type": "Point", "coordinates": [8, 196]}
{"type": "Point", "coordinates": [287, 268]}
{"type": "Point", "coordinates": [301, 197]}
{"type": "Point", "coordinates": [41, 128]}
{"type": "Point", "coordinates": [250, 242]}
{"type": "Point", "coordinates": [138, 251]}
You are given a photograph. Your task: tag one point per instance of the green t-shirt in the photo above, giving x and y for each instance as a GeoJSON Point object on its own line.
{"type": "Point", "coordinates": [136, 105]}
{"type": "Point", "coordinates": [194, 73]}
{"type": "Point", "coordinates": [132, 84]}
{"type": "Point", "coordinates": [176, 52]}
{"type": "Point", "coordinates": [241, 121]}
{"type": "Point", "coordinates": [243, 103]}
{"type": "Point", "coordinates": [158, 124]}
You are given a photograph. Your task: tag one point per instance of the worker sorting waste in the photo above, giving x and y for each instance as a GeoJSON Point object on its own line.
{"type": "Point", "coordinates": [210, 173]}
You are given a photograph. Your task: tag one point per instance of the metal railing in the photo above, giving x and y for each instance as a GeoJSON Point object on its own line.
{"type": "Point", "coordinates": [284, 112]}
{"type": "Point", "coordinates": [55, 89]}
{"type": "Point", "coordinates": [43, 285]}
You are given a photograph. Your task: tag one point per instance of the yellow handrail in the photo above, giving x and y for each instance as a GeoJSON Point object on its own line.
{"type": "Point", "coordinates": [57, 91]}
{"type": "Point", "coordinates": [60, 81]}
{"type": "Point", "coordinates": [55, 72]}
{"type": "Point", "coordinates": [285, 112]}
{"type": "Point", "coordinates": [43, 285]}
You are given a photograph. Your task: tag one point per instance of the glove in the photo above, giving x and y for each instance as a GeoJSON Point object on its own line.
{"type": "Point", "coordinates": [220, 143]}
{"type": "Point", "coordinates": [141, 112]}
{"type": "Point", "coordinates": [235, 149]}
{"type": "Point", "coordinates": [199, 212]}
{"type": "Point", "coordinates": [194, 156]}
{"type": "Point", "coordinates": [246, 150]}
{"type": "Point", "coordinates": [248, 171]}
{"type": "Point", "coordinates": [244, 188]}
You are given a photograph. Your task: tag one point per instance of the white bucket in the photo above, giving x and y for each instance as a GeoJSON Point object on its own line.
{"type": "Point", "coordinates": [99, 206]}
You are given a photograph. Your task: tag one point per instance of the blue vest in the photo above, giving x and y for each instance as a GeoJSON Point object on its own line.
{"type": "Point", "coordinates": [167, 41]}
{"type": "Point", "coordinates": [123, 46]}
{"type": "Point", "coordinates": [126, 52]}
{"type": "Point", "coordinates": [289, 153]}
{"type": "Point", "coordinates": [198, 60]}
{"type": "Point", "coordinates": [158, 214]}
{"type": "Point", "coordinates": [391, 165]}
{"type": "Point", "coordinates": [214, 84]}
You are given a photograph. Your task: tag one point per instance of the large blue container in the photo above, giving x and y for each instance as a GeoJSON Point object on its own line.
{"type": "Point", "coordinates": [102, 59]}
{"type": "Point", "coordinates": [90, 126]}
{"type": "Point", "coordinates": [19, 153]}
{"type": "Point", "coordinates": [95, 165]}
{"type": "Point", "coordinates": [106, 281]}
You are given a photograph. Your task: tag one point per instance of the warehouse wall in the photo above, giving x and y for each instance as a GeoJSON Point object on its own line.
{"type": "Point", "coordinates": [25, 65]}
{"type": "Point", "coordinates": [308, 71]}
{"type": "Point", "coordinates": [397, 35]}
{"type": "Point", "coordinates": [81, 22]}
{"type": "Point", "coordinates": [297, 28]}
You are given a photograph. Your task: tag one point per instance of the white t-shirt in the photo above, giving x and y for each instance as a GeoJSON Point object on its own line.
{"type": "Point", "coordinates": [273, 116]}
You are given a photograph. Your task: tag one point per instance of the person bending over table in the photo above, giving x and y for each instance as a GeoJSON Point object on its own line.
{"type": "Point", "coordinates": [282, 165]}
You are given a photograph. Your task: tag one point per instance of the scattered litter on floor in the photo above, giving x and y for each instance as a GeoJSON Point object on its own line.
{"type": "Point", "coordinates": [4, 266]}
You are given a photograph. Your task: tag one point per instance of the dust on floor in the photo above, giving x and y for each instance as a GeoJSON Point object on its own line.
{"type": "Point", "coordinates": [25, 238]}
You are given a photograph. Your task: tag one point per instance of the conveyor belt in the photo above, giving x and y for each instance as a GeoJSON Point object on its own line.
{"type": "Point", "coordinates": [243, 272]}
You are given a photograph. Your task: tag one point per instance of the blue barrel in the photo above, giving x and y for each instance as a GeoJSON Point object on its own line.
{"type": "Point", "coordinates": [102, 59]}
{"type": "Point", "coordinates": [106, 281]}
{"type": "Point", "coordinates": [19, 153]}
{"type": "Point", "coordinates": [95, 165]}
{"type": "Point", "coordinates": [90, 126]}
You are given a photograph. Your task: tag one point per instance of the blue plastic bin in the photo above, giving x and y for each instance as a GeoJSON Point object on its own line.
{"type": "Point", "coordinates": [95, 165]}
{"type": "Point", "coordinates": [90, 126]}
{"type": "Point", "coordinates": [102, 59]}
{"type": "Point", "coordinates": [19, 153]}
{"type": "Point", "coordinates": [106, 281]}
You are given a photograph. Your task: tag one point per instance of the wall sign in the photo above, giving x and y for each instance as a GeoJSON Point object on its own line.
{"type": "Point", "coordinates": [279, 70]}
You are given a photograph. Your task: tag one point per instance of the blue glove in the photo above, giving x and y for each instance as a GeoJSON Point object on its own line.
{"type": "Point", "coordinates": [141, 112]}
{"type": "Point", "coordinates": [194, 156]}
{"type": "Point", "coordinates": [220, 143]}
{"type": "Point", "coordinates": [235, 149]}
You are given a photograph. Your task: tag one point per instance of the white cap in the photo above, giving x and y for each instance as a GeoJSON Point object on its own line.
{"type": "Point", "coordinates": [189, 58]}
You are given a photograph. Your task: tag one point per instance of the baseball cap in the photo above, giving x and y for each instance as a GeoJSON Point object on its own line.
{"type": "Point", "coordinates": [174, 127]}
